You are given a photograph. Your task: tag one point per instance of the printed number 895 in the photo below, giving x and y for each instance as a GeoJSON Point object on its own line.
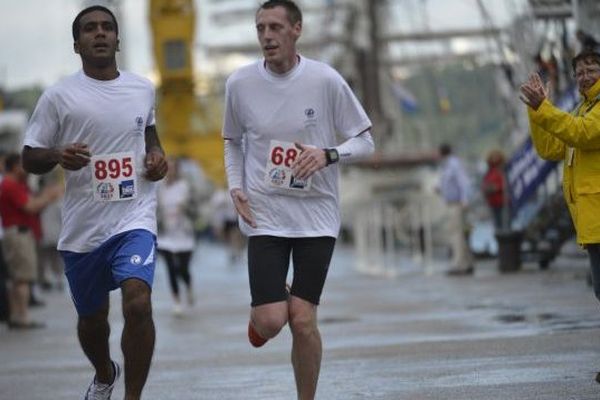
{"type": "Point", "coordinates": [113, 168]}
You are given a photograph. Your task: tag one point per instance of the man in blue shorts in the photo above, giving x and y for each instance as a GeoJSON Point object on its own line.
{"type": "Point", "coordinates": [98, 125]}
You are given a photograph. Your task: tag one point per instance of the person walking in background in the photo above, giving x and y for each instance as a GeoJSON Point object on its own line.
{"type": "Point", "coordinates": [454, 187]}
{"type": "Point", "coordinates": [19, 209]}
{"type": "Point", "coordinates": [51, 271]}
{"type": "Point", "coordinates": [225, 224]}
{"type": "Point", "coordinates": [288, 110]}
{"type": "Point", "coordinates": [176, 240]}
{"type": "Point", "coordinates": [493, 187]}
{"type": "Point", "coordinates": [99, 126]}
{"type": "Point", "coordinates": [573, 138]}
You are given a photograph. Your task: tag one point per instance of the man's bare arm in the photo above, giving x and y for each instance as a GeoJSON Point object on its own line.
{"type": "Point", "coordinates": [155, 162]}
{"type": "Point", "coordinates": [39, 160]}
{"type": "Point", "coordinates": [152, 140]}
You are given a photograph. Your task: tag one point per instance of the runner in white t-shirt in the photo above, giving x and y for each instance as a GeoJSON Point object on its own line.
{"type": "Point", "coordinates": [98, 125]}
{"type": "Point", "coordinates": [176, 237]}
{"type": "Point", "coordinates": [284, 118]}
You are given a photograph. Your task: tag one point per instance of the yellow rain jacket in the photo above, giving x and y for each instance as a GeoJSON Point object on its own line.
{"type": "Point", "coordinates": [575, 139]}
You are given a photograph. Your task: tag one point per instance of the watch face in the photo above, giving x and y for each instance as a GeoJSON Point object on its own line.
{"type": "Point", "coordinates": [333, 155]}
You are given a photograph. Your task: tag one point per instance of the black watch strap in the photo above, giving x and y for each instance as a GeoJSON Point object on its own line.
{"type": "Point", "coordinates": [332, 156]}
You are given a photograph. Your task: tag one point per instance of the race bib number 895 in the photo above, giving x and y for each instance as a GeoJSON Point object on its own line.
{"type": "Point", "coordinates": [279, 172]}
{"type": "Point", "coordinates": [114, 177]}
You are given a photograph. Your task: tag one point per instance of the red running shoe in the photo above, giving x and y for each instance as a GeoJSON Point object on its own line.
{"type": "Point", "coordinates": [255, 339]}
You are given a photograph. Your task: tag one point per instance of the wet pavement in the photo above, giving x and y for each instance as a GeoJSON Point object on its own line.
{"type": "Point", "coordinates": [528, 335]}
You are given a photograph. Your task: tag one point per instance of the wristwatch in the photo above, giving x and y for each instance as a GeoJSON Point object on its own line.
{"type": "Point", "coordinates": [331, 155]}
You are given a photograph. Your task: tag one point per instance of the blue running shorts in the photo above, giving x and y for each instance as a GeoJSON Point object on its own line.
{"type": "Point", "coordinates": [93, 275]}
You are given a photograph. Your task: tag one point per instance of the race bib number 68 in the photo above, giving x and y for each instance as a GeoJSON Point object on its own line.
{"type": "Point", "coordinates": [279, 172]}
{"type": "Point", "coordinates": [114, 177]}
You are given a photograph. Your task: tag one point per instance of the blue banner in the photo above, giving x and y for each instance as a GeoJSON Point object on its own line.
{"type": "Point", "coordinates": [525, 171]}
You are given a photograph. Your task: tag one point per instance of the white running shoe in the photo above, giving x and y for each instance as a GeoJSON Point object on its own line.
{"type": "Point", "coordinates": [177, 309]}
{"type": "Point", "coordinates": [102, 391]}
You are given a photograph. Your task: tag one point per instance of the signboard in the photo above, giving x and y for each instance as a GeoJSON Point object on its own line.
{"type": "Point", "coordinates": [525, 171]}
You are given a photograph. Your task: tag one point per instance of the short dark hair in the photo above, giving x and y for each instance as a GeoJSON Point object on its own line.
{"type": "Point", "coordinates": [586, 55]}
{"type": "Point", "coordinates": [76, 28]}
{"type": "Point", "coordinates": [11, 161]}
{"type": "Point", "coordinates": [293, 12]}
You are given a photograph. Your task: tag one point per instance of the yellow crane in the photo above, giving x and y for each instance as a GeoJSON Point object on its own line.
{"type": "Point", "coordinates": [186, 126]}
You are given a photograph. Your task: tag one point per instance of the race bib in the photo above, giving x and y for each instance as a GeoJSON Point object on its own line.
{"type": "Point", "coordinates": [279, 171]}
{"type": "Point", "coordinates": [114, 177]}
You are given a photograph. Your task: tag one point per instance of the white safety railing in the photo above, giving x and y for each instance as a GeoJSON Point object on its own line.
{"type": "Point", "coordinates": [395, 234]}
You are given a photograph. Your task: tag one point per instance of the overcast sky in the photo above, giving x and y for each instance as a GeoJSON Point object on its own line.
{"type": "Point", "coordinates": [36, 46]}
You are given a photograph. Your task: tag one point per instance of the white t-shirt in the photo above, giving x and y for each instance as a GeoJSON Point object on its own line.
{"type": "Point", "coordinates": [110, 117]}
{"type": "Point", "coordinates": [311, 104]}
{"type": "Point", "coordinates": [176, 231]}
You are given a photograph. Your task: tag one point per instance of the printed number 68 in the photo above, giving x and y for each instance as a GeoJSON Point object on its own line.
{"type": "Point", "coordinates": [281, 156]}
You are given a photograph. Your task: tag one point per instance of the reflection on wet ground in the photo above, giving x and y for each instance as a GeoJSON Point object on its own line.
{"type": "Point", "coordinates": [530, 335]}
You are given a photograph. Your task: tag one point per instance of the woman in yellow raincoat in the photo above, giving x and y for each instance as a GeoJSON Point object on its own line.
{"type": "Point", "coordinates": [575, 139]}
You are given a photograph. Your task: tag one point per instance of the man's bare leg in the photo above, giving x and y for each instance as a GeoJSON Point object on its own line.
{"type": "Point", "coordinates": [268, 319]}
{"type": "Point", "coordinates": [306, 348]}
{"type": "Point", "coordinates": [93, 332]}
{"type": "Point", "coordinates": [137, 341]}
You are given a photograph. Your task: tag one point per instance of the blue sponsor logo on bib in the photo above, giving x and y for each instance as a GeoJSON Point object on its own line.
{"type": "Point", "coordinates": [126, 189]}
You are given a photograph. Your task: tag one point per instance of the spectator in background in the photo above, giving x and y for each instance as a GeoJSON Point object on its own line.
{"type": "Point", "coordinates": [4, 308]}
{"type": "Point", "coordinates": [493, 187]}
{"type": "Point", "coordinates": [176, 239]}
{"type": "Point", "coordinates": [454, 187]}
{"type": "Point", "coordinates": [19, 209]}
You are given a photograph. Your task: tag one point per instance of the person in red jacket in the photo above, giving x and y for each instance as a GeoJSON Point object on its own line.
{"type": "Point", "coordinates": [493, 186]}
{"type": "Point", "coordinates": [18, 210]}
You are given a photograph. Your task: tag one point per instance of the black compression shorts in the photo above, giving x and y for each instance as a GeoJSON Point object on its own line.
{"type": "Point", "coordinates": [268, 264]}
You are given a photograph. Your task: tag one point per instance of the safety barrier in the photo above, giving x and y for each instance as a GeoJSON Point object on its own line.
{"type": "Point", "coordinates": [395, 234]}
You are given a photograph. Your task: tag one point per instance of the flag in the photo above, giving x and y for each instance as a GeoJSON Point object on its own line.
{"type": "Point", "coordinates": [406, 100]}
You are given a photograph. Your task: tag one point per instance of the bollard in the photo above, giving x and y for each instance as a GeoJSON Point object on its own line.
{"type": "Point", "coordinates": [509, 250]}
